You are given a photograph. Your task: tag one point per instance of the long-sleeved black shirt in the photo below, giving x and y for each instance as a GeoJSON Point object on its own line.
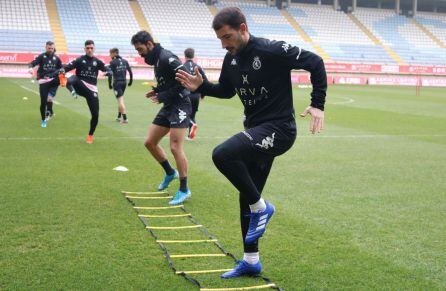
{"type": "Point", "coordinates": [119, 68]}
{"type": "Point", "coordinates": [261, 76]}
{"type": "Point", "coordinates": [49, 65]}
{"type": "Point", "coordinates": [190, 66]}
{"type": "Point", "coordinates": [166, 64]}
{"type": "Point", "coordinates": [87, 68]}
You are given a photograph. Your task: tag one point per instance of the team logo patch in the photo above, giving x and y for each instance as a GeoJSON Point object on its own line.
{"type": "Point", "coordinates": [234, 62]}
{"type": "Point", "coordinates": [256, 64]}
{"type": "Point", "coordinates": [171, 60]}
{"type": "Point", "coordinates": [267, 142]}
{"type": "Point", "coordinates": [95, 63]}
{"type": "Point", "coordinates": [95, 94]}
{"type": "Point", "coordinates": [84, 61]}
{"type": "Point", "coordinates": [181, 115]}
{"type": "Point", "coordinates": [54, 58]}
{"type": "Point", "coordinates": [286, 47]}
{"type": "Point", "coordinates": [116, 93]}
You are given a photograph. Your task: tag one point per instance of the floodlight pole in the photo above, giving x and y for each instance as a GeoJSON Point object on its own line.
{"type": "Point", "coordinates": [336, 4]}
{"type": "Point", "coordinates": [414, 7]}
{"type": "Point", "coordinates": [397, 6]}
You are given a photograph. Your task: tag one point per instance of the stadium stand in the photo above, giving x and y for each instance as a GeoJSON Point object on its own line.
{"type": "Point", "coordinates": [24, 26]}
{"type": "Point", "coordinates": [179, 24]}
{"type": "Point", "coordinates": [110, 23]}
{"type": "Point", "coordinates": [402, 35]}
{"type": "Point", "coordinates": [268, 22]}
{"type": "Point", "coordinates": [342, 42]}
{"type": "Point", "coordinates": [434, 23]}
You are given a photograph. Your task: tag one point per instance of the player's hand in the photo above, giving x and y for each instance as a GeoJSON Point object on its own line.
{"type": "Point", "coordinates": [150, 94]}
{"type": "Point", "coordinates": [189, 81]}
{"type": "Point", "coordinates": [31, 71]}
{"type": "Point", "coordinates": [154, 99]}
{"type": "Point", "coordinates": [110, 87]}
{"type": "Point", "coordinates": [317, 118]}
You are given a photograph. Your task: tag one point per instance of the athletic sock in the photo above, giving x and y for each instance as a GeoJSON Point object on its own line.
{"type": "Point", "coordinates": [183, 184]}
{"type": "Point", "coordinates": [167, 168]}
{"type": "Point", "coordinates": [259, 206]}
{"type": "Point", "coordinates": [119, 114]}
{"type": "Point", "coordinates": [124, 116]}
{"type": "Point", "coordinates": [251, 258]}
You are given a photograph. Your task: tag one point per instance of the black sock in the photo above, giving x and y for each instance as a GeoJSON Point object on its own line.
{"type": "Point", "coordinates": [124, 116]}
{"type": "Point", "coordinates": [49, 107]}
{"type": "Point", "coordinates": [167, 167]}
{"type": "Point", "coordinates": [183, 184]}
{"type": "Point", "coordinates": [119, 114]}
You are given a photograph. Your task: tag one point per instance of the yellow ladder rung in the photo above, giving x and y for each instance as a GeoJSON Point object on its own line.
{"type": "Point", "coordinates": [271, 285]}
{"type": "Point", "coordinates": [142, 197]}
{"type": "Point", "coordinates": [164, 215]}
{"type": "Point", "coordinates": [186, 241]}
{"type": "Point", "coordinates": [157, 208]}
{"type": "Point", "coordinates": [174, 227]}
{"type": "Point", "coordinates": [144, 193]}
{"type": "Point", "coordinates": [197, 255]}
{"type": "Point", "coordinates": [202, 271]}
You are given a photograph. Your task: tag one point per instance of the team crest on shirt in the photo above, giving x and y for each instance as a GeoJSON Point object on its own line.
{"type": "Point", "coordinates": [54, 58]}
{"type": "Point", "coordinates": [95, 63]}
{"type": "Point", "coordinates": [256, 64]}
{"type": "Point", "coordinates": [286, 47]}
{"type": "Point", "coordinates": [171, 60]}
{"type": "Point", "coordinates": [234, 62]}
{"type": "Point", "coordinates": [84, 61]}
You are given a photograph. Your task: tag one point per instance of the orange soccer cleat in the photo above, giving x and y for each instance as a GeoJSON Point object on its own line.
{"type": "Point", "coordinates": [62, 80]}
{"type": "Point", "coordinates": [89, 139]}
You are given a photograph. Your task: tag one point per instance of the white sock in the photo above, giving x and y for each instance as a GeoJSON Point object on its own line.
{"type": "Point", "coordinates": [259, 206]}
{"type": "Point", "coordinates": [251, 258]}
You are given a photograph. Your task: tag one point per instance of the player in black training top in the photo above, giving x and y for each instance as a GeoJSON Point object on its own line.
{"type": "Point", "coordinates": [173, 116]}
{"type": "Point", "coordinates": [47, 76]}
{"type": "Point", "coordinates": [194, 97]}
{"type": "Point", "coordinates": [259, 72]}
{"type": "Point", "coordinates": [85, 81]}
{"type": "Point", "coordinates": [119, 68]}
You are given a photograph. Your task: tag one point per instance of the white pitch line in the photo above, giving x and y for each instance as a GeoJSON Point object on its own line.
{"type": "Point", "coordinates": [365, 136]}
{"type": "Point", "coordinates": [35, 92]}
{"type": "Point", "coordinates": [347, 101]}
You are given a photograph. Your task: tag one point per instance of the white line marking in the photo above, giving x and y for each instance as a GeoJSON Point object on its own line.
{"type": "Point", "coordinates": [347, 100]}
{"type": "Point", "coordinates": [365, 136]}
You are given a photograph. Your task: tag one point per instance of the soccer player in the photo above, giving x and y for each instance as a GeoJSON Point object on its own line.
{"type": "Point", "coordinates": [49, 66]}
{"type": "Point", "coordinates": [85, 81]}
{"type": "Point", "coordinates": [259, 72]}
{"type": "Point", "coordinates": [173, 116]}
{"type": "Point", "coordinates": [190, 65]}
{"type": "Point", "coordinates": [119, 68]}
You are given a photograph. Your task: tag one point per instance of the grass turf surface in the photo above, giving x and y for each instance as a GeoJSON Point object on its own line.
{"type": "Point", "coordinates": [361, 206]}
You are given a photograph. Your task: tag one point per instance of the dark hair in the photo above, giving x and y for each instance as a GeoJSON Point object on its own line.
{"type": "Point", "coordinates": [49, 43]}
{"type": "Point", "coordinates": [231, 16]}
{"type": "Point", "coordinates": [189, 53]}
{"type": "Point", "coordinates": [114, 50]}
{"type": "Point", "coordinates": [88, 42]}
{"type": "Point", "coordinates": [142, 37]}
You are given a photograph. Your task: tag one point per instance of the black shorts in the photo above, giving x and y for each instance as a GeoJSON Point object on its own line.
{"type": "Point", "coordinates": [49, 89]}
{"type": "Point", "coordinates": [119, 88]}
{"type": "Point", "coordinates": [174, 116]}
{"type": "Point", "coordinates": [272, 138]}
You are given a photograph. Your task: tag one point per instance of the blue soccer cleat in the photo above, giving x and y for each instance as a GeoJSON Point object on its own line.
{"type": "Point", "coordinates": [258, 222]}
{"type": "Point", "coordinates": [167, 180]}
{"type": "Point", "coordinates": [43, 123]}
{"type": "Point", "coordinates": [180, 196]}
{"type": "Point", "coordinates": [243, 269]}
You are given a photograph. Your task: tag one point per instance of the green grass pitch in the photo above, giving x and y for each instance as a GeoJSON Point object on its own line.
{"type": "Point", "coordinates": [361, 206]}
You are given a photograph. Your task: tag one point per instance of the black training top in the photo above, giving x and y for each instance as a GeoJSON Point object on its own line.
{"type": "Point", "coordinates": [166, 65]}
{"type": "Point", "coordinates": [49, 65]}
{"type": "Point", "coordinates": [261, 76]}
{"type": "Point", "coordinates": [87, 68]}
{"type": "Point", "coordinates": [119, 68]}
{"type": "Point", "coordinates": [190, 68]}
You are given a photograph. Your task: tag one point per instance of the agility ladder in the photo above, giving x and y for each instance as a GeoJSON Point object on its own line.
{"type": "Point", "coordinates": [209, 238]}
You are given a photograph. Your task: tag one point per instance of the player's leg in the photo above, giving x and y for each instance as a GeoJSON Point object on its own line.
{"type": "Point", "coordinates": [177, 137]}
{"type": "Point", "coordinates": [259, 169]}
{"type": "Point", "coordinates": [73, 84]}
{"type": "Point", "coordinates": [121, 109]}
{"type": "Point", "coordinates": [155, 133]}
{"type": "Point", "coordinates": [193, 126]}
{"type": "Point", "coordinates": [93, 104]}
{"type": "Point", "coordinates": [43, 90]}
{"type": "Point", "coordinates": [50, 100]}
